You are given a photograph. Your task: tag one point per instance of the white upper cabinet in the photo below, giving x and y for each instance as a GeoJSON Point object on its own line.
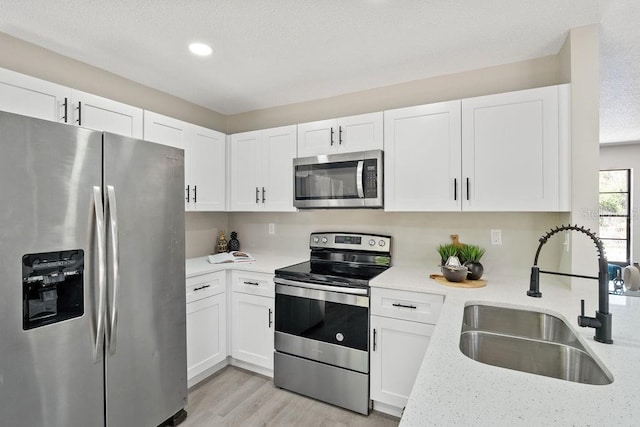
{"type": "Point", "coordinates": [262, 170]}
{"type": "Point", "coordinates": [95, 112]}
{"type": "Point", "coordinates": [205, 168]}
{"type": "Point", "coordinates": [33, 97]}
{"type": "Point", "coordinates": [504, 152]}
{"type": "Point", "coordinates": [29, 96]}
{"type": "Point", "coordinates": [346, 134]}
{"type": "Point", "coordinates": [245, 171]}
{"type": "Point", "coordinates": [165, 130]}
{"type": "Point", "coordinates": [422, 158]}
{"type": "Point", "coordinates": [514, 151]}
{"type": "Point", "coordinates": [205, 161]}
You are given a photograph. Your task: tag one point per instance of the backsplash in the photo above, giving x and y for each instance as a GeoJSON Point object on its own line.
{"type": "Point", "coordinates": [201, 232]}
{"type": "Point", "coordinates": [415, 235]}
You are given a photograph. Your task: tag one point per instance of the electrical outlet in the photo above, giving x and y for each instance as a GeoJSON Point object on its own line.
{"type": "Point", "coordinates": [496, 237]}
{"type": "Point", "coordinates": [272, 228]}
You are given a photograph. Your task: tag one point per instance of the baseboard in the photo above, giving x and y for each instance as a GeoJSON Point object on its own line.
{"type": "Point", "coordinates": [253, 368]}
{"type": "Point", "coordinates": [191, 382]}
{"type": "Point", "coordinates": [387, 409]}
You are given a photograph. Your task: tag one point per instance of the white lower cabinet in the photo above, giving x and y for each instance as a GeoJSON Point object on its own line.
{"type": "Point", "coordinates": [206, 325]}
{"type": "Point", "coordinates": [402, 323]}
{"type": "Point", "coordinates": [252, 317]}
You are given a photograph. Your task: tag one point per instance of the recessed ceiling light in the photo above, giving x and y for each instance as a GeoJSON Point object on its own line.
{"type": "Point", "coordinates": [200, 49]}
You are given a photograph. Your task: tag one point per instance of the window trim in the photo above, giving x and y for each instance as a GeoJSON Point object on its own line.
{"type": "Point", "coordinates": [628, 216]}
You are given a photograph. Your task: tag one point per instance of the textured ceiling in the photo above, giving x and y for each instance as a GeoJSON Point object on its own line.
{"type": "Point", "coordinates": [277, 52]}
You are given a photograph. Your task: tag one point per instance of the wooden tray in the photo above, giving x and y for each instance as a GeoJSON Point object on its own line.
{"type": "Point", "coordinates": [480, 283]}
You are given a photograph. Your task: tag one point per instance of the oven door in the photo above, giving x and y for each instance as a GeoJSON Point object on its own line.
{"type": "Point", "coordinates": [323, 323]}
{"type": "Point", "coordinates": [347, 180]}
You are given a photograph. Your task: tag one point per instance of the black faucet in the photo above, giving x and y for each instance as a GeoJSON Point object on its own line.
{"type": "Point", "coordinates": [602, 321]}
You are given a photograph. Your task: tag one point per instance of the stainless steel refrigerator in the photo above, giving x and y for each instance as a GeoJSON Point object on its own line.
{"type": "Point", "coordinates": [92, 280]}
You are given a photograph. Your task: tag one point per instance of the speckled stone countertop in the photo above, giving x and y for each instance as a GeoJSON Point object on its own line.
{"type": "Point", "coordinates": [265, 263]}
{"type": "Point", "coordinates": [451, 389]}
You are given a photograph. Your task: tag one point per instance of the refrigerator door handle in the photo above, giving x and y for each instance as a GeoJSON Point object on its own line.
{"type": "Point", "coordinates": [115, 250]}
{"type": "Point", "coordinates": [100, 231]}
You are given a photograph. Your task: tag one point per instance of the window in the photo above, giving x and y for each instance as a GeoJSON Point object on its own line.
{"type": "Point", "coordinates": [615, 214]}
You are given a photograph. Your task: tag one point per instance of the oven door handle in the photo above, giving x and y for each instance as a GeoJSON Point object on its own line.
{"type": "Point", "coordinates": [327, 288]}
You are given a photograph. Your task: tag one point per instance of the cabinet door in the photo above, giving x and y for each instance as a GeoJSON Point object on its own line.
{"type": "Point", "coordinates": [360, 133]}
{"type": "Point", "coordinates": [510, 151]}
{"type": "Point", "coordinates": [277, 168]}
{"type": "Point", "coordinates": [396, 357]}
{"type": "Point", "coordinates": [29, 96]}
{"type": "Point", "coordinates": [206, 334]}
{"type": "Point", "coordinates": [95, 112]}
{"type": "Point", "coordinates": [316, 138]}
{"type": "Point", "coordinates": [422, 158]}
{"type": "Point", "coordinates": [206, 172]}
{"type": "Point", "coordinates": [245, 171]}
{"type": "Point", "coordinates": [165, 130]}
{"type": "Point", "coordinates": [252, 329]}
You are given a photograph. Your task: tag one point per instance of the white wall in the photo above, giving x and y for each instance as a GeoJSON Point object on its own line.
{"type": "Point", "coordinates": [579, 60]}
{"type": "Point", "coordinates": [415, 236]}
{"type": "Point", "coordinates": [626, 156]}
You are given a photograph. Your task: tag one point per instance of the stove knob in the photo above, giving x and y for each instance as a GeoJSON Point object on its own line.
{"type": "Point", "coordinates": [325, 240]}
{"type": "Point", "coordinates": [372, 242]}
{"type": "Point", "coordinates": [316, 239]}
{"type": "Point", "coordinates": [381, 243]}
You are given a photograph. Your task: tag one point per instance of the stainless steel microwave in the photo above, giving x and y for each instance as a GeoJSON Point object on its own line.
{"type": "Point", "coordinates": [348, 180]}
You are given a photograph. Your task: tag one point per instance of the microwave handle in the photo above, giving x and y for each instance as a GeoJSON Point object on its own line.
{"type": "Point", "coordinates": [360, 179]}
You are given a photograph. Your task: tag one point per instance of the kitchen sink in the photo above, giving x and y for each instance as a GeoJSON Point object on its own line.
{"type": "Point", "coordinates": [529, 341]}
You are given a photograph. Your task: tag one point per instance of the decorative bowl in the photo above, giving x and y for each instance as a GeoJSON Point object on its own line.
{"type": "Point", "coordinates": [454, 274]}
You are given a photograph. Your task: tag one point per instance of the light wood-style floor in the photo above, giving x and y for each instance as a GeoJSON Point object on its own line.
{"type": "Point", "coordinates": [235, 397]}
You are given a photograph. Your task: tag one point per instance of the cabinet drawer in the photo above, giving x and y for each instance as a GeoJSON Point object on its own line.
{"type": "Point", "coordinates": [253, 283]}
{"type": "Point", "coordinates": [206, 285]}
{"type": "Point", "coordinates": [414, 306]}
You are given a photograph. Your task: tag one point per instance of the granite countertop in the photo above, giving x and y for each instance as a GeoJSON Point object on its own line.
{"type": "Point", "coordinates": [265, 262]}
{"type": "Point", "coordinates": [451, 389]}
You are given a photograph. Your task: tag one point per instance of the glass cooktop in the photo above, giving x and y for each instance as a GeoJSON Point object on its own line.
{"type": "Point", "coordinates": [331, 273]}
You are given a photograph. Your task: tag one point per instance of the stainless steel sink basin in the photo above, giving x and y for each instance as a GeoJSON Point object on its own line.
{"type": "Point", "coordinates": [528, 341]}
{"type": "Point", "coordinates": [522, 323]}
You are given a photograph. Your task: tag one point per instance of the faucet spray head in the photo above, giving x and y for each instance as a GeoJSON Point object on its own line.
{"type": "Point", "coordinates": [534, 283]}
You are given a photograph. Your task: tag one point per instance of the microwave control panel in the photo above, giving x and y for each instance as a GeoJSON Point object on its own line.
{"type": "Point", "coordinates": [370, 178]}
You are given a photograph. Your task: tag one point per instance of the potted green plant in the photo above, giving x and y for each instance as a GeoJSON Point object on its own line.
{"type": "Point", "coordinates": [446, 251]}
{"type": "Point", "coordinates": [470, 256]}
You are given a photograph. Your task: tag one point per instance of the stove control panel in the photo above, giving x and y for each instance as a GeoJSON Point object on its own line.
{"type": "Point", "coordinates": [354, 241]}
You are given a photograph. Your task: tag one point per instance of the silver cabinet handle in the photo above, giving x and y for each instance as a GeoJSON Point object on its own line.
{"type": "Point", "coordinates": [374, 340]}
{"type": "Point", "coordinates": [257, 195]}
{"type": "Point", "coordinates": [99, 217]}
{"type": "Point", "coordinates": [195, 194]}
{"type": "Point", "coordinates": [270, 320]}
{"type": "Point", "coordinates": [263, 191]}
{"type": "Point", "coordinates": [413, 307]}
{"type": "Point", "coordinates": [340, 135]}
{"type": "Point", "coordinates": [251, 283]}
{"type": "Point", "coordinates": [332, 136]}
{"type": "Point", "coordinates": [360, 179]}
{"type": "Point", "coordinates": [79, 114]}
{"type": "Point", "coordinates": [115, 250]}
{"type": "Point", "coordinates": [188, 199]}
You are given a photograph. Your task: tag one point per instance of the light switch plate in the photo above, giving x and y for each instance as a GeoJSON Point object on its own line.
{"type": "Point", "coordinates": [496, 237]}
